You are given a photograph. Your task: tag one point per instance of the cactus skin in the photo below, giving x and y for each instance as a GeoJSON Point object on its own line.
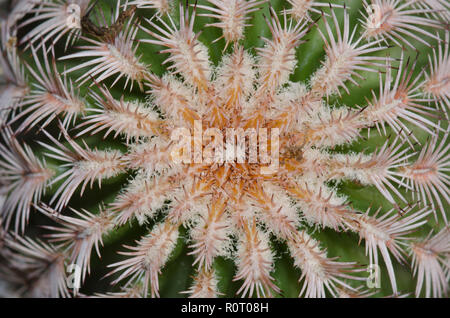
{"type": "Point", "coordinates": [87, 176]}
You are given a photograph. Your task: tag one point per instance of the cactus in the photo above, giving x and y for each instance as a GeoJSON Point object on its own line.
{"type": "Point", "coordinates": [270, 149]}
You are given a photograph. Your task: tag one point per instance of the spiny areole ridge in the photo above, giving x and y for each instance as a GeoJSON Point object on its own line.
{"type": "Point", "coordinates": [270, 148]}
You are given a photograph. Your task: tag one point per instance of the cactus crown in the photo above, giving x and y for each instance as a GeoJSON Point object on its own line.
{"type": "Point", "coordinates": [240, 160]}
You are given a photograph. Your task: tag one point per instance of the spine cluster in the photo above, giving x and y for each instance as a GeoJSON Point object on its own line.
{"type": "Point", "coordinates": [82, 106]}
